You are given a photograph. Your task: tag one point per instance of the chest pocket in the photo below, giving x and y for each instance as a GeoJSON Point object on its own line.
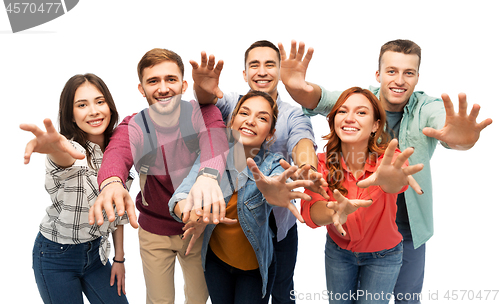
{"type": "Point", "coordinates": [257, 207]}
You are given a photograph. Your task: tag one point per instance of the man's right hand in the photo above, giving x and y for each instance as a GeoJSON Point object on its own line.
{"type": "Point", "coordinates": [293, 75]}
{"type": "Point", "coordinates": [113, 194]}
{"type": "Point", "coordinates": [206, 76]}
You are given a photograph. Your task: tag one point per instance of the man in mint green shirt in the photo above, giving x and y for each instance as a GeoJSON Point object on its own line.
{"type": "Point", "coordinates": [417, 120]}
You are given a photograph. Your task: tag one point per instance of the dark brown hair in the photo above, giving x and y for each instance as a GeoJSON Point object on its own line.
{"type": "Point", "coordinates": [67, 126]}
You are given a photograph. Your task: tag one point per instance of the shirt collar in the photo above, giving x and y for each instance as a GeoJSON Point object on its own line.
{"type": "Point", "coordinates": [93, 147]}
{"type": "Point", "coordinates": [369, 166]}
{"type": "Point", "coordinates": [259, 158]}
{"type": "Point", "coordinates": [278, 99]}
{"type": "Point", "coordinates": [408, 107]}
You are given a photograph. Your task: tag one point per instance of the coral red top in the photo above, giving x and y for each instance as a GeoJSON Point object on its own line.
{"type": "Point", "coordinates": [368, 229]}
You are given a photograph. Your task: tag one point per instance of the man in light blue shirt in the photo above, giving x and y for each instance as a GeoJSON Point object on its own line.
{"type": "Point", "coordinates": [417, 120]}
{"type": "Point", "coordinates": [294, 140]}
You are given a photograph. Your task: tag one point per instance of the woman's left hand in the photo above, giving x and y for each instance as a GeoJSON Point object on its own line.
{"type": "Point", "coordinates": [392, 176]}
{"type": "Point", "coordinates": [277, 191]}
{"type": "Point", "coordinates": [118, 272]}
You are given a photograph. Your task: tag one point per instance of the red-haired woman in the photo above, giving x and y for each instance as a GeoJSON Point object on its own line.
{"type": "Point", "coordinates": [363, 252]}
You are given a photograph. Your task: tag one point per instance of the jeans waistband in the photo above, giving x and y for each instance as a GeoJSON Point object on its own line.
{"type": "Point", "coordinates": [93, 243]}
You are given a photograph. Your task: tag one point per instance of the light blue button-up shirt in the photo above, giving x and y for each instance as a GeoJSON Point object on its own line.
{"type": "Point", "coordinates": [421, 111]}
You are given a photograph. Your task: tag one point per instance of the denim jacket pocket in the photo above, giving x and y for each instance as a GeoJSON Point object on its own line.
{"type": "Point", "coordinates": [256, 205]}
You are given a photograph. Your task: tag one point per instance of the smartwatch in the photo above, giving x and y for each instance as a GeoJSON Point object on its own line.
{"type": "Point", "coordinates": [209, 172]}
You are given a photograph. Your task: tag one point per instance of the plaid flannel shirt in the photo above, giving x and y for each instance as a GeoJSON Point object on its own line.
{"type": "Point", "coordinates": [73, 190]}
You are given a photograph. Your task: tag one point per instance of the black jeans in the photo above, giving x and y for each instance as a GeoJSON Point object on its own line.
{"type": "Point", "coordinates": [286, 258]}
{"type": "Point", "coordinates": [227, 284]}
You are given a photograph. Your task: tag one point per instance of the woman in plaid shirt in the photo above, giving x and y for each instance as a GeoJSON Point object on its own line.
{"type": "Point", "coordinates": [70, 256]}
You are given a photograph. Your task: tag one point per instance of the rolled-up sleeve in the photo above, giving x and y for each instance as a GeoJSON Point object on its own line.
{"type": "Point", "coordinates": [212, 138]}
{"type": "Point", "coordinates": [300, 127]}
{"type": "Point", "coordinates": [325, 104]}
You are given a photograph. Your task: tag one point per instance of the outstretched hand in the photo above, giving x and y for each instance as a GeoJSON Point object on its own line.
{"type": "Point", "coordinates": [460, 131]}
{"type": "Point", "coordinates": [49, 142]}
{"type": "Point", "coordinates": [206, 200]}
{"type": "Point", "coordinates": [112, 196]}
{"type": "Point", "coordinates": [305, 173]}
{"type": "Point", "coordinates": [277, 191]}
{"type": "Point", "coordinates": [195, 226]}
{"type": "Point", "coordinates": [391, 176]}
{"type": "Point", "coordinates": [293, 69]}
{"type": "Point", "coordinates": [206, 74]}
{"type": "Point", "coordinates": [343, 207]}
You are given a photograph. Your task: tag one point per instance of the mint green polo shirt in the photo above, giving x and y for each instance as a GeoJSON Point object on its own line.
{"type": "Point", "coordinates": [421, 111]}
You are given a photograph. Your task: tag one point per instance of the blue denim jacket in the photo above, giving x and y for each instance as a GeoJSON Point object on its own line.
{"type": "Point", "coordinates": [253, 209]}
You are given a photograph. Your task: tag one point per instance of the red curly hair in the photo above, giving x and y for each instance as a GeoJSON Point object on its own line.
{"type": "Point", "coordinates": [376, 145]}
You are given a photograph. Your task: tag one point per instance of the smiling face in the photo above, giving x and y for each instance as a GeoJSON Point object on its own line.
{"type": "Point", "coordinates": [355, 121]}
{"type": "Point", "coordinates": [252, 124]}
{"type": "Point", "coordinates": [398, 76]}
{"type": "Point", "coordinates": [163, 85]}
{"type": "Point", "coordinates": [91, 113]}
{"type": "Point", "coordinates": [262, 71]}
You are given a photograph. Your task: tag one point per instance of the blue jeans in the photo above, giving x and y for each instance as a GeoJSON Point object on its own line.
{"type": "Point", "coordinates": [63, 272]}
{"type": "Point", "coordinates": [361, 277]}
{"type": "Point", "coordinates": [227, 285]}
{"type": "Point", "coordinates": [408, 287]}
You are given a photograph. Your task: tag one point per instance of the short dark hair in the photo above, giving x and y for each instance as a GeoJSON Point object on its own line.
{"type": "Point", "coordinates": [261, 43]}
{"type": "Point", "coordinates": [156, 56]}
{"type": "Point", "coordinates": [400, 46]}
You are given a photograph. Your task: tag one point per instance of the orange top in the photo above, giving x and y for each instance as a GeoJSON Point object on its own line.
{"type": "Point", "coordinates": [229, 242]}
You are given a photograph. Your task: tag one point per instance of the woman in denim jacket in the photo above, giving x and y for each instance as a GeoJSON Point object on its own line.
{"type": "Point", "coordinates": [237, 254]}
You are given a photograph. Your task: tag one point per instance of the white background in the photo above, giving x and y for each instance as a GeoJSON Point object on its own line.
{"type": "Point", "coordinates": [460, 47]}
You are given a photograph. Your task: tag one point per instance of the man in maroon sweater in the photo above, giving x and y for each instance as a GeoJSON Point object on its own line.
{"type": "Point", "coordinates": [161, 75]}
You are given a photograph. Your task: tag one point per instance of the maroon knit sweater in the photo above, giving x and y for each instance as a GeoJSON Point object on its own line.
{"type": "Point", "coordinates": [173, 162]}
